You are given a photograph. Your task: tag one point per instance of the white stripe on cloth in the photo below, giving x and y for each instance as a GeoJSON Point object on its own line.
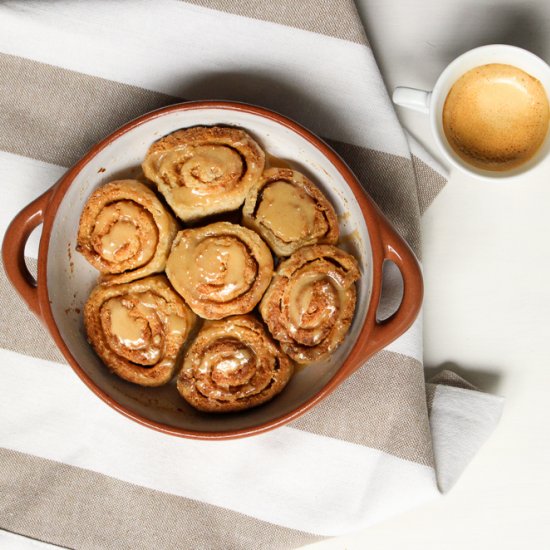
{"type": "Point", "coordinates": [23, 179]}
{"type": "Point", "coordinates": [289, 477]}
{"type": "Point", "coordinates": [341, 97]}
{"type": "Point", "coordinates": [461, 421]}
{"type": "Point", "coordinates": [409, 343]}
{"type": "Point", "coordinates": [12, 541]}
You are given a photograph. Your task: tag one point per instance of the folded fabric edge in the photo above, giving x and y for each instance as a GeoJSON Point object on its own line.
{"type": "Point", "coordinates": [461, 419]}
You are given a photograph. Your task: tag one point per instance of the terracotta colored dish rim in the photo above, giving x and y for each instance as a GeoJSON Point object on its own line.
{"type": "Point", "coordinates": [386, 245]}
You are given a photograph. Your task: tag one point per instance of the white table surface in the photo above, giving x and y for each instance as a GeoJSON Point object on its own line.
{"type": "Point", "coordinates": [487, 275]}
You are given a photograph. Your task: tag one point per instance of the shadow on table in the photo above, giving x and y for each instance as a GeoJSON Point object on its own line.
{"type": "Point", "coordinates": [484, 380]}
{"type": "Point", "coordinates": [517, 25]}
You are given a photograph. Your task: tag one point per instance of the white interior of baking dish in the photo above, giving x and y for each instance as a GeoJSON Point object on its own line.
{"type": "Point", "coordinates": [71, 278]}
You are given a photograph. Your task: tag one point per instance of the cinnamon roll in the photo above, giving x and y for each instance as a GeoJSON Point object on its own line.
{"type": "Point", "coordinates": [221, 269]}
{"type": "Point", "coordinates": [138, 328]}
{"type": "Point", "coordinates": [204, 170]}
{"type": "Point", "coordinates": [232, 365]}
{"type": "Point", "coordinates": [310, 303]}
{"type": "Point", "coordinates": [289, 212]}
{"type": "Point", "coordinates": [125, 232]}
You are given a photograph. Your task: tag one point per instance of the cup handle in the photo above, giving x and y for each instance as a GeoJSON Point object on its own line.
{"type": "Point", "coordinates": [386, 331]}
{"type": "Point", "coordinates": [411, 98]}
{"type": "Point", "coordinates": [13, 250]}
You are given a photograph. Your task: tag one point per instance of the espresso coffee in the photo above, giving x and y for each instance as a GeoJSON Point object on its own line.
{"type": "Point", "coordinates": [496, 117]}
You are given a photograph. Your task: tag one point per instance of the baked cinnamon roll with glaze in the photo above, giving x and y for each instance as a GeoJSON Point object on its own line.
{"type": "Point", "coordinates": [138, 328]}
{"type": "Point", "coordinates": [289, 212]}
{"type": "Point", "coordinates": [232, 365]}
{"type": "Point", "coordinates": [125, 232]}
{"type": "Point", "coordinates": [204, 170]}
{"type": "Point", "coordinates": [310, 303]}
{"type": "Point", "coordinates": [221, 269]}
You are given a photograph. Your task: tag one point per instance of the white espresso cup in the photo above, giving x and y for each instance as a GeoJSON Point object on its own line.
{"type": "Point", "coordinates": [432, 103]}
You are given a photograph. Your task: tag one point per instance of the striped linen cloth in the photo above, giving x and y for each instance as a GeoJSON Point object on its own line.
{"type": "Point", "coordinates": [75, 473]}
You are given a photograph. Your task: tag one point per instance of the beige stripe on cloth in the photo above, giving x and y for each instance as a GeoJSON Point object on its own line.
{"type": "Point", "coordinates": [337, 19]}
{"type": "Point", "coordinates": [430, 394]}
{"type": "Point", "coordinates": [363, 411]}
{"type": "Point", "coordinates": [38, 502]}
{"type": "Point", "coordinates": [429, 183]}
{"type": "Point", "coordinates": [449, 378]}
{"type": "Point", "coordinates": [32, 108]}
{"type": "Point", "coordinates": [35, 340]}
{"type": "Point", "coordinates": [390, 181]}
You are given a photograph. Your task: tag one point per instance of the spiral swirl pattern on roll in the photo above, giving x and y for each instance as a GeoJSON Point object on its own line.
{"type": "Point", "coordinates": [310, 303]}
{"type": "Point", "coordinates": [125, 232]}
{"type": "Point", "coordinates": [289, 212]}
{"type": "Point", "coordinates": [221, 269]}
{"type": "Point", "coordinates": [204, 170]}
{"type": "Point", "coordinates": [138, 328]}
{"type": "Point", "coordinates": [232, 365]}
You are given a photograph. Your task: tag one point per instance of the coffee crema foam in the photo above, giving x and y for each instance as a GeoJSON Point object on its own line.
{"type": "Point", "coordinates": [496, 117]}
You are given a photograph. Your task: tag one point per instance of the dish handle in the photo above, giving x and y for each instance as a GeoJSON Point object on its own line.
{"type": "Point", "coordinates": [13, 250]}
{"type": "Point", "coordinates": [396, 250]}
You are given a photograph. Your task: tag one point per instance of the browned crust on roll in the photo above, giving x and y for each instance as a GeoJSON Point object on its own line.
{"type": "Point", "coordinates": [203, 171]}
{"type": "Point", "coordinates": [319, 228]}
{"type": "Point", "coordinates": [158, 314]}
{"type": "Point", "coordinates": [233, 365]}
{"type": "Point", "coordinates": [221, 269]}
{"type": "Point", "coordinates": [310, 303]}
{"type": "Point", "coordinates": [147, 226]}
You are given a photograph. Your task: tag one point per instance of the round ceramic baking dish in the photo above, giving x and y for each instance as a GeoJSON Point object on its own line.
{"type": "Point", "coordinates": [65, 279]}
